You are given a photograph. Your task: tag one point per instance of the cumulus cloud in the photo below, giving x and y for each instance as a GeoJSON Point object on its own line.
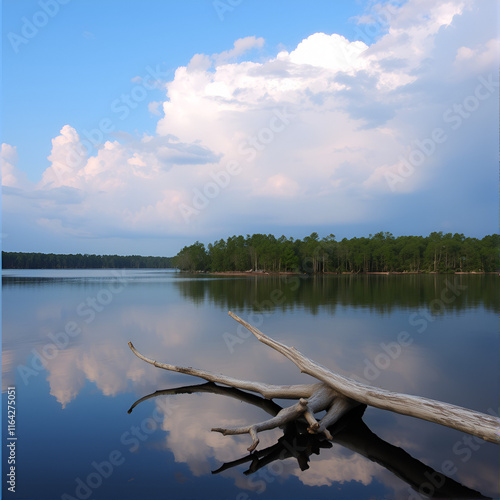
{"type": "Point", "coordinates": [316, 134]}
{"type": "Point", "coordinates": [332, 52]}
{"type": "Point", "coordinates": [134, 186]}
{"type": "Point", "coordinates": [12, 177]}
{"type": "Point", "coordinates": [241, 46]}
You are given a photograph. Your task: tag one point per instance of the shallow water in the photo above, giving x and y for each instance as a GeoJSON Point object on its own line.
{"type": "Point", "coordinates": [64, 349]}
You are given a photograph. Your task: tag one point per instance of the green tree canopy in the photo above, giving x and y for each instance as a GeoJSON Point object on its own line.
{"type": "Point", "coordinates": [381, 252]}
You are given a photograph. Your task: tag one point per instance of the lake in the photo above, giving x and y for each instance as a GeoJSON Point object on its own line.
{"type": "Point", "coordinates": [64, 350]}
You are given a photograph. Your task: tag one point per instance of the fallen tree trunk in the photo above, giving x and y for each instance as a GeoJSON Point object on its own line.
{"type": "Point", "coordinates": [472, 422]}
{"type": "Point", "coordinates": [337, 395]}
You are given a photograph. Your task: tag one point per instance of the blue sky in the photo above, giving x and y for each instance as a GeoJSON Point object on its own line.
{"type": "Point", "coordinates": [86, 56]}
{"type": "Point", "coordinates": [140, 127]}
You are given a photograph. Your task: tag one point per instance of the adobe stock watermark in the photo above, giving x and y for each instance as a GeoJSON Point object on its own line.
{"type": "Point", "coordinates": [131, 439]}
{"type": "Point", "coordinates": [31, 26]}
{"type": "Point", "coordinates": [453, 117]}
{"type": "Point", "coordinates": [259, 480]}
{"type": "Point", "coordinates": [392, 350]}
{"type": "Point", "coordinates": [121, 108]}
{"type": "Point", "coordinates": [222, 7]}
{"type": "Point", "coordinates": [463, 450]}
{"type": "Point", "coordinates": [248, 149]}
{"type": "Point", "coordinates": [368, 32]}
{"type": "Point", "coordinates": [276, 297]}
{"type": "Point", "coordinates": [380, 20]}
{"type": "Point", "coordinates": [256, 319]}
{"type": "Point", "coordinates": [88, 311]}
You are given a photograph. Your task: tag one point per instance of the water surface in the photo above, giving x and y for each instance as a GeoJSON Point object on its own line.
{"type": "Point", "coordinates": [64, 349]}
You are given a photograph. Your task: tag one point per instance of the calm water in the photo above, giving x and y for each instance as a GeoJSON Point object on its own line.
{"type": "Point", "coordinates": [65, 351]}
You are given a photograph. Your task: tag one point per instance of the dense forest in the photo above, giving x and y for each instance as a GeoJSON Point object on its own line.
{"type": "Point", "coordinates": [22, 260]}
{"type": "Point", "coordinates": [381, 252]}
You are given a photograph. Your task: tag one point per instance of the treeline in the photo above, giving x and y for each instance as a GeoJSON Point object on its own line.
{"type": "Point", "coordinates": [22, 260]}
{"type": "Point", "coordinates": [381, 252]}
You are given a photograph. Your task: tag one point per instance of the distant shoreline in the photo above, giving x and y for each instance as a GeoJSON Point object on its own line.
{"type": "Point", "coordinates": [246, 273]}
{"type": "Point", "coordinates": [289, 273]}
{"type": "Point", "coordinates": [381, 253]}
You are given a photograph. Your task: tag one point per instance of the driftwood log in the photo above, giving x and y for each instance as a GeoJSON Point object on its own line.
{"type": "Point", "coordinates": [337, 395]}
{"type": "Point", "coordinates": [350, 432]}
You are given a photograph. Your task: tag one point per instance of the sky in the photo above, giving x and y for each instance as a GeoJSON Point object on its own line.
{"type": "Point", "coordinates": [139, 127]}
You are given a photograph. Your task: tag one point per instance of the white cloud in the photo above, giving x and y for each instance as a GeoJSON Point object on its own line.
{"type": "Point", "coordinates": [464, 53]}
{"type": "Point", "coordinates": [478, 59]}
{"type": "Point", "coordinates": [279, 186]}
{"type": "Point", "coordinates": [11, 175]}
{"type": "Point", "coordinates": [67, 157]}
{"type": "Point", "coordinates": [154, 107]}
{"type": "Point", "coordinates": [353, 113]}
{"type": "Point", "coordinates": [332, 52]}
{"type": "Point", "coordinates": [241, 46]}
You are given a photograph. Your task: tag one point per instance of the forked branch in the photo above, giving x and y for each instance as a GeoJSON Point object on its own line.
{"type": "Point", "coordinates": [337, 395]}
{"type": "Point", "coordinates": [267, 390]}
{"type": "Point", "coordinates": [456, 417]}
{"type": "Point", "coordinates": [284, 416]}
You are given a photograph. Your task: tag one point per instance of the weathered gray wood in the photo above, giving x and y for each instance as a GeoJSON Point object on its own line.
{"type": "Point", "coordinates": [286, 415]}
{"type": "Point", "coordinates": [472, 422]}
{"type": "Point", "coordinates": [267, 390]}
{"type": "Point", "coordinates": [320, 397]}
{"type": "Point", "coordinates": [337, 395]}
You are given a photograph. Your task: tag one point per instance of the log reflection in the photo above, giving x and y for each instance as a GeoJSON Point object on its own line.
{"type": "Point", "coordinates": [350, 432]}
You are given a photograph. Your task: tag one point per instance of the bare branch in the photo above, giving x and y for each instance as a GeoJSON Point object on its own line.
{"type": "Point", "coordinates": [456, 417]}
{"type": "Point", "coordinates": [286, 415]}
{"type": "Point", "coordinates": [267, 390]}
